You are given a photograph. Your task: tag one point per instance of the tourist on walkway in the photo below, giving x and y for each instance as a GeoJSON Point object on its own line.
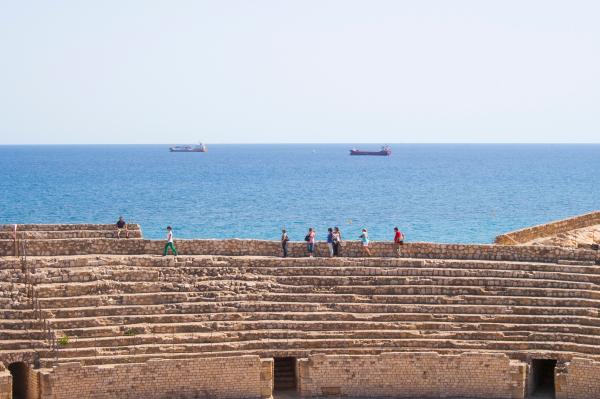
{"type": "Point", "coordinates": [398, 240]}
{"type": "Point", "coordinates": [330, 241]}
{"type": "Point", "coordinates": [364, 238]}
{"type": "Point", "coordinates": [284, 242]}
{"type": "Point", "coordinates": [310, 241]}
{"type": "Point", "coordinates": [169, 243]}
{"type": "Point", "coordinates": [122, 227]}
{"type": "Point", "coordinates": [337, 241]}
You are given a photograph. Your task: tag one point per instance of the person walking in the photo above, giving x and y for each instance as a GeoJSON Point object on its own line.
{"type": "Point", "coordinates": [169, 243]}
{"type": "Point", "coordinates": [398, 241]}
{"type": "Point", "coordinates": [364, 238]}
{"type": "Point", "coordinates": [310, 240]}
{"type": "Point", "coordinates": [284, 242]}
{"type": "Point", "coordinates": [330, 241]}
{"type": "Point", "coordinates": [337, 241]}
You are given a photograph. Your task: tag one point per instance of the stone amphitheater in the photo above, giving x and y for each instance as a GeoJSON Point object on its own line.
{"type": "Point", "coordinates": [86, 315]}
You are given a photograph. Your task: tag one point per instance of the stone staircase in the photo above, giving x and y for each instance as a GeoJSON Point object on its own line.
{"type": "Point", "coordinates": [122, 309]}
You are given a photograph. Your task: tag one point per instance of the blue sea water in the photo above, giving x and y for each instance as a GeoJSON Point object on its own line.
{"type": "Point", "coordinates": [443, 193]}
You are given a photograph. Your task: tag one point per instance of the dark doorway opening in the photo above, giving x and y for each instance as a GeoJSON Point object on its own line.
{"type": "Point", "coordinates": [284, 374]}
{"type": "Point", "coordinates": [19, 372]}
{"type": "Point", "coordinates": [541, 378]}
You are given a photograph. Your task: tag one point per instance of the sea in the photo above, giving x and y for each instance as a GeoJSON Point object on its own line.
{"type": "Point", "coordinates": [453, 193]}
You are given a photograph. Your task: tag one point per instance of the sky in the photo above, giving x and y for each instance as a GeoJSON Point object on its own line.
{"type": "Point", "coordinates": [318, 71]}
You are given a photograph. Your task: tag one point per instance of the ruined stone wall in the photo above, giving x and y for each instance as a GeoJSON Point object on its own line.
{"type": "Point", "coordinates": [237, 247]}
{"type": "Point", "coordinates": [32, 383]}
{"type": "Point", "coordinates": [5, 383]}
{"type": "Point", "coordinates": [548, 229]}
{"type": "Point", "coordinates": [64, 227]}
{"type": "Point", "coordinates": [64, 231]}
{"type": "Point", "coordinates": [412, 375]}
{"type": "Point", "coordinates": [266, 378]}
{"type": "Point", "coordinates": [578, 379]}
{"type": "Point", "coordinates": [226, 377]}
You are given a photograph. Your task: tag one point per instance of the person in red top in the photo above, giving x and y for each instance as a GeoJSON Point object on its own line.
{"type": "Point", "coordinates": [398, 240]}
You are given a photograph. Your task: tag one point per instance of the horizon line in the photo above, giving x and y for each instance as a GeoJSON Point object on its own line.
{"type": "Point", "coordinates": [317, 143]}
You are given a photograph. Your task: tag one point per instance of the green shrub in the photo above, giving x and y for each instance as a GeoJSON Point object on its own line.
{"type": "Point", "coordinates": [63, 341]}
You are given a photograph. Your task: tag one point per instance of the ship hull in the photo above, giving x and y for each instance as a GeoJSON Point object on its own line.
{"type": "Point", "coordinates": [174, 150]}
{"type": "Point", "coordinates": [375, 153]}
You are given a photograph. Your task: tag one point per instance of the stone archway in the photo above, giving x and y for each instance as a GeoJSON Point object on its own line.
{"type": "Point", "coordinates": [284, 374]}
{"type": "Point", "coordinates": [20, 376]}
{"type": "Point", "coordinates": [541, 378]}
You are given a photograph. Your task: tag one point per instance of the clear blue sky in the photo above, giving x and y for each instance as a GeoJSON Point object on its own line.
{"type": "Point", "coordinates": [299, 71]}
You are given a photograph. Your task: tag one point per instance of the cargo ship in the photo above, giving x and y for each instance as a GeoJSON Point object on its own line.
{"type": "Point", "coordinates": [188, 148]}
{"type": "Point", "coordinates": [385, 151]}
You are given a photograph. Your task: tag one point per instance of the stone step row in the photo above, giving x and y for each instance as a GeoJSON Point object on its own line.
{"type": "Point", "coordinates": [374, 272]}
{"type": "Point", "coordinates": [298, 353]}
{"type": "Point", "coordinates": [214, 291]}
{"type": "Point", "coordinates": [125, 329]}
{"type": "Point", "coordinates": [256, 306]}
{"type": "Point", "coordinates": [226, 337]}
{"type": "Point", "coordinates": [307, 285]}
{"type": "Point", "coordinates": [22, 334]}
{"type": "Point", "coordinates": [144, 274]}
{"type": "Point", "coordinates": [360, 295]}
{"type": "Point", "coordinates": [329, 265]}
{"type": "Point", "coordinates": [23, 342]}
{"type": "Point", "coordinates": [265, 307]}
{"type": "Point", "coordinates": [399, 295]}
{"type": "Point", "coordinates": [304, 317]}
{"type": "Point", "coordinates": [263, 344]}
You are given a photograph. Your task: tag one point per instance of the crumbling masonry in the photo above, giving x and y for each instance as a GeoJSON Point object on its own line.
{"type": "Point", "coordinates": [87, 316]}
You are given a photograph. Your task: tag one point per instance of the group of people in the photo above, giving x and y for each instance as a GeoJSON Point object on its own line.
{"type": "Point", "coordinates": [122, 229]}
{"type": "Point", "coordinates": [334, 241]}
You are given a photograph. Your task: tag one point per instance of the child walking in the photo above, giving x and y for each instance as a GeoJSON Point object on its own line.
{"type": "Point", "coordinates": [169, 243]}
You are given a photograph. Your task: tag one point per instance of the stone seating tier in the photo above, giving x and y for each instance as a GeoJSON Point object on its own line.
{"type": "Point", "coordinates": [123, 309]}
{"type": "Point", "coordinates": [63, 227]}
{"type": "Point", "coordinates": [67, 234]}
{"type": "Point", "coordinates": [40, 232]}
{"type": "Point", "coordinates": [236, 247]}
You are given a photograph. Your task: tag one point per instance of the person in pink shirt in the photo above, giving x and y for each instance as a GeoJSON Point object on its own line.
{"type": "Point", "coordinates": [310, 241]}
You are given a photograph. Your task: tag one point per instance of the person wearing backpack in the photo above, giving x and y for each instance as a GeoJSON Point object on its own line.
{"type": "Point", "coordinates": [310, 241]}
{"type": "Point", "coordinates": [330, 241]}
{"type": "Point", "coordinates": [398, 240]}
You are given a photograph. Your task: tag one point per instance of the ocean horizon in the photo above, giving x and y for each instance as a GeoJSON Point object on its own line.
{"type": "Point", "coordinates": [455, 193]}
